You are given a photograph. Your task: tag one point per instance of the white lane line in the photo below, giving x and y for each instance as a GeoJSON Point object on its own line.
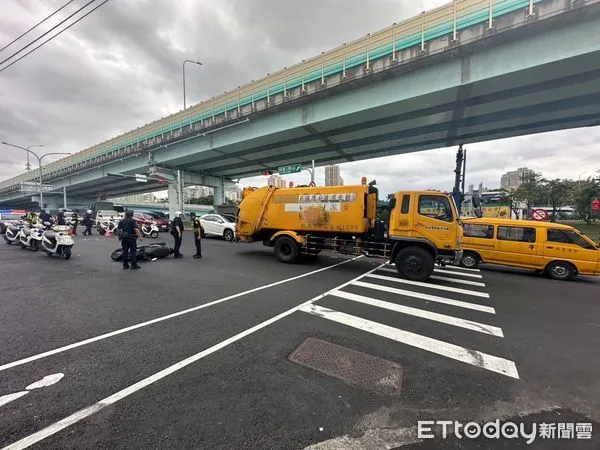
{"type": "Point", "coordinates": [6, 399]}
{"type": "Point", "coordinates": [114, 398]}
{"type": "Point", "coordinates": [473, 357]}
{"type": "Point", "coordinates": [431, 286]}
{"type": "Point", "coordinates": [442, 318]}
{"type": "Point", "coordinates": [458, 281]}
{"type": "Point", "coordinates": [428, 297]}
{"type": "Point", "coordinates": [460, 274]}
{"type": "Point", "coordinates": [163, 318]}
{"type": "Point", "coordinates": [471, 275]}
{"type": "Point", "coordinates": [451, 268]}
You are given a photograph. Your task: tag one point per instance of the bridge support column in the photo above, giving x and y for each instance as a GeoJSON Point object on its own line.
{"type": "Point", "coordinates": [173, 199]}
{"type": "Point", "coordinates": [219, 192]}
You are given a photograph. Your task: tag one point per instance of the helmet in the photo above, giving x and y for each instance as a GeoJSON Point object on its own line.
{"type": "Point", "coordinates": [178, 213]}
{"type": "Point", "coordinates": [89, 211]}
{"type": "Point", "coordinates": [193, 214]}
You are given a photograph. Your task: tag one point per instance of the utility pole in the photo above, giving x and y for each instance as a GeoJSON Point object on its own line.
{"type": "Point", "coordinates": [458, 176]}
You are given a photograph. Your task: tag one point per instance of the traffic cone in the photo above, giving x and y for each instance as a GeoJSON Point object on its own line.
{"type": "Point", "coordinates": [108, 231]}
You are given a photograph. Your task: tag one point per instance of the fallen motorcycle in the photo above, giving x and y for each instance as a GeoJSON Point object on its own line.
{"type": "Point", "coordinates": [146, 252]}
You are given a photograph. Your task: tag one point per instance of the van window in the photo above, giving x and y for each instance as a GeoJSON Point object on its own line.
{"type": "Point", "coordinates": [569, 237]}
{"type": "Point", "coordinates": [519, 234]}
{"type": "Point", "coordinates": [405, 204]}
{"type": "Point", "coordinates": [479, 231]}
{"type": "Point", "coordinates": [436, 207]}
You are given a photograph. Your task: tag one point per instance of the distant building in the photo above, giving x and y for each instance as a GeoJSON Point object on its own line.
{"type": "Point", "coordinates": [190, 192]}
{"type": "Point", "coordinates": [234, 194]}
{"type": "Point", "coordinates": [332, 176]}
{"type": "Point", "coordinates": [514, 179]}
{"type": "Point", "coordinates": [276, 181]}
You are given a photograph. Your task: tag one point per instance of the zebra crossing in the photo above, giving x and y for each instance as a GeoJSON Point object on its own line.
{"type": "Point", "coordinates": [454, 299]}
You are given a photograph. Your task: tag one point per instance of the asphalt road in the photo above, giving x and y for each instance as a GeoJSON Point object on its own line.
{"type": "Point", "coordinates": [196, 353]}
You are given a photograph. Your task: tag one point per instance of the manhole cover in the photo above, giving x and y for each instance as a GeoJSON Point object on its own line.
{"type": "Point", "coordinates": [353, 367]}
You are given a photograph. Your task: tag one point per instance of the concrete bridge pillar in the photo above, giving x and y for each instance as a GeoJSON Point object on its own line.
{"type": "Point", "coordinates": [173, 199]}
{"type": "Point", "coordinates": [219, 192]}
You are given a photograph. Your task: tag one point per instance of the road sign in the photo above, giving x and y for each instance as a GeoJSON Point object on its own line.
{"type": "Point", "coordinates": [596, 204]}
{"type": "Point", "coordinates": [292, 168]}
{"type": "Point", "coordinates": [539, 214]}
{"type": "Point", "coordinates": [141, 178]}
{"type": "Point", "coordinates": [313, 184]}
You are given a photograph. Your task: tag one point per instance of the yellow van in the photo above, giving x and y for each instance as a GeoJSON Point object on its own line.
{"type": "Point", "coordinates": [558, 250]}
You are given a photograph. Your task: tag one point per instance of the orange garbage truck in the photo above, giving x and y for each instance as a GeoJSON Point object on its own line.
{"type": "Point", "coordinates": [423, 228]}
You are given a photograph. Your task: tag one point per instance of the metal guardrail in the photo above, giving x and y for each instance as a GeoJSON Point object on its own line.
{"type": "Point", "coordinates": [445, 20]}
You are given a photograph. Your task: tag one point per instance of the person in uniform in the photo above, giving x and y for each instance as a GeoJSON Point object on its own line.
{"type": "Point", "coordinates": [129, 232]}
{"type": "Point", "coordinates": [197, 227]}
{"type": "Point", "coordinates": [74, 222]}
{"type": "Point", "coordinates": [31, 217]}
{"type": "Point", "coordinates": [177, 232]}
{"type": "Point", "coordinates": [87, 221]}
{"type": "Point", "coordinates": [46, 218]}
{"type": "Point", "coordinates": [60, 218]}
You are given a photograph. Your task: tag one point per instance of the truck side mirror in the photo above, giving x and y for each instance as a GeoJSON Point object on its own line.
{"type": "Point", "coordinates": [476, 201]}
{"type": "Point", "coordinates": [392, 203]}
{"type": "Point", "coordinates": [478, 213]}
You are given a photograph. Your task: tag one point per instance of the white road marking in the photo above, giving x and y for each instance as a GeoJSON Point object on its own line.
{"type": "Point", "coordinates": [114, 398]}
{"type": "Point", "coordinates": [456, 280]}
{"type": "Point", "coordinates": [460, 274]}
{"type": "Point", "coordinates": [163, 318]}
{"type": "Point", "coordinates": [473, 357]}
{"type": "Point", "coordinates": [48, 380]}
{"type": "Point", "coordinates": [465, 269]}
{"type": "Point", "coordinates": [442, 318]}
{"type": "Point", "coordinates": [5, 399]}
{"type": "Point", "coordinates": [431, 286]}
{"type": "Point", "coordinates": [431, 298]}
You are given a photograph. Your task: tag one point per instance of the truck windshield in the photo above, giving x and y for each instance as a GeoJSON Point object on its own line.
{"type": "Point", "coordinates": [436, 206]}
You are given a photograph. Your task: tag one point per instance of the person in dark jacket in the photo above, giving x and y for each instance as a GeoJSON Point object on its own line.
{"type": "Point", "coordinates": [74, 222]}
{"type": "Point", "coordinates": [46, 218]}
{"type": "Point", "coordinates": [129, 232]}
{"type": "Point", "coordinates": [87, 221]}
{"type": "Point", "coordinates": [177, 232]}
{"type": "Point", "coordinates": [197, 227]}
{"type": "Point", "coordinates": [60, 218]}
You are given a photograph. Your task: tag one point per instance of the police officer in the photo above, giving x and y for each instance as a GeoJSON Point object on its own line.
{"type": "Point", "coordinates": [31, 217]}
{"type": "Point", "coordinates": [87, 221]}
{"type": "Point", "coordinates": [177, 232]}
{"type": "Point", "coordinates": [74, 222]}
{"type": "Point", "coordinates": [60, 218]}
{"type": "Point", "coordinates": [46, 218]}
{"type": "Point", "coordinates": [197, 227]}
{"type": "Point", "coordinates": [129, 233]}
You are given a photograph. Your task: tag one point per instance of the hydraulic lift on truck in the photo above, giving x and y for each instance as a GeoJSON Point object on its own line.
{"type": "Point", "coordinates": [424, 226]}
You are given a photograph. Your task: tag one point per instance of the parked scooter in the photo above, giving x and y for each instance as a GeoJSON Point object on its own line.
{"type": "Point", "coordinates": [58, 241]}
{"type": "Point", "coordinates": [12, 232]}
{"type": "Point", "coordinates": [109, 224]}
{"type": "Point", "coordinates": [149, 229]}
{"type": "Point", "coordinates": [31, 237]}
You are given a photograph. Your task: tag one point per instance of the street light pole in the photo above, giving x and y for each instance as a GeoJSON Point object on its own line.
{"type": "Point", "coordinates": [183, 67]}
{"type": "Point", "coordinates": [28, 166]}
{"type": "Point", "coordinates": [39, 158]}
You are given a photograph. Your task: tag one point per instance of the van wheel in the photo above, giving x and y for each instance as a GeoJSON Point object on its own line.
{"type": "Point", "coordinates": [286, 249]}
{"type": "Point", "coordinates": [560, 270]}
{"type": "Point", "coordinates": [414, 263]}
{"type": "Point", "coordinates": [470, 260]}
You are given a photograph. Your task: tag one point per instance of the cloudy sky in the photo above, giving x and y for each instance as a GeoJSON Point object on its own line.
{"type": "Point", "coordinates": [120, 68]}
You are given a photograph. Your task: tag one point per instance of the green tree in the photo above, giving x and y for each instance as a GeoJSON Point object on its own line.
{"type": "Point", "coordinates": [531, 191]}
{"type": "Point", "coordinates": [559, 193]}
{"type": "Point", "coordinates": [584, 192]}
{"type": "Point", "coordinates": [208, 200]}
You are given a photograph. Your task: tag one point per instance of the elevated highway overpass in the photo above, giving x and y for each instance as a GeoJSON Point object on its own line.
{"type": "Point", "coordinates": [470, 71]}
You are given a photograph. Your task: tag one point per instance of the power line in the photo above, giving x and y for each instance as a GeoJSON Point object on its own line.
{"type": "Point", "coordinates": [44, 34]}
{"type": "Point", "coordinates": [36, 25]}
{"type": "Point", "coordinates": [52, 37]}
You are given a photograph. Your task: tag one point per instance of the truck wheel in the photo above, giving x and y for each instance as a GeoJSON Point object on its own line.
{"type": "Point", "coordinates": [414, 263]}
{"type": "Point", "coordinates": [470, 260]}
{"type": "Point", "coordinates": [286, 249]}
{"type": "Point", "coordinates": [560, 270]}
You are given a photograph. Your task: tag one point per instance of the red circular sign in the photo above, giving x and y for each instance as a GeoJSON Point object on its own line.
{"type": "Point", "coordinates": [312, 184]}
{"type": "Point", "coordinates": [539, 214]}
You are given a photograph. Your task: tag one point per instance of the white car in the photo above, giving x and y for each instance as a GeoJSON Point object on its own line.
{"type": "Point", "coordinates": [219, 225]}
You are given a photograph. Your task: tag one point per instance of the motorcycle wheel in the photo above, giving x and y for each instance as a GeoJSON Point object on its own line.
{"type": "Point", "coordinates": [154, 234]}
{"type": "Point", "coordinates": [66, 253]}
{"type": "Point", "coordinates": [117, 255]}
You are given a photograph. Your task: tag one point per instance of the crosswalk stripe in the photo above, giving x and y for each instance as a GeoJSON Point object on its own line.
{"type": "Point", "coordinates": [428, 297]}
{"type": "Point", "coordinates": [442, 318]}
{"type": "Point", "coordinates": [456, 280]}
{"type": "Point", "coordinates": [431, 285]}
{"type": "Point", "coordinates": [455, 272]}
{"type": "Point", "coordinates": [472, 357]}
{"type": "Point", "coordinates": [452, 268]}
